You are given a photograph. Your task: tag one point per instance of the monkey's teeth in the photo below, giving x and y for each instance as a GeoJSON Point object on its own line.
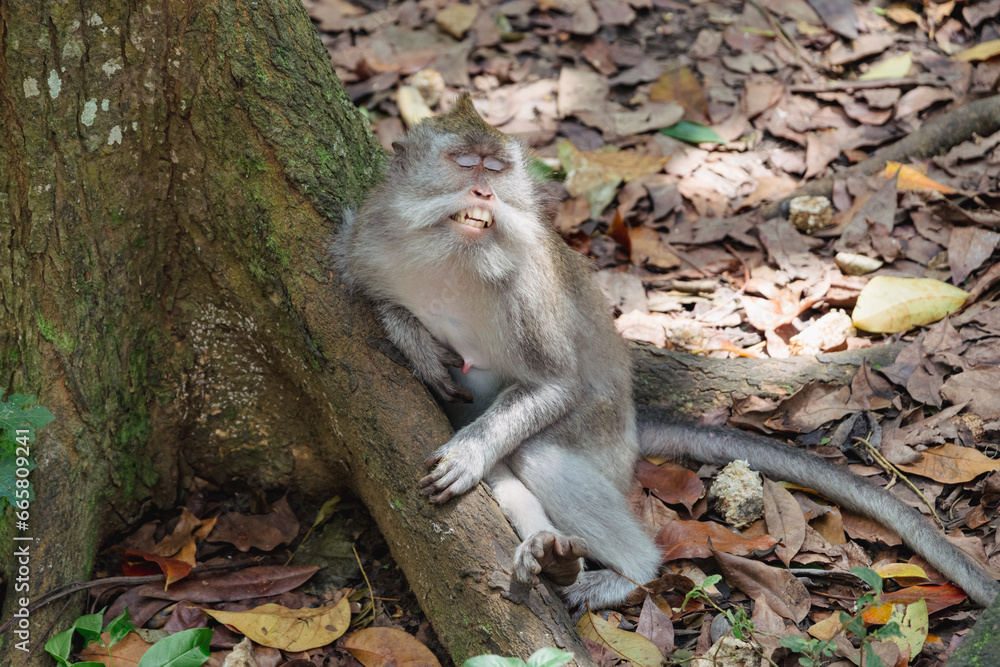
{"type": "Point", "coordinates": [475, 217]}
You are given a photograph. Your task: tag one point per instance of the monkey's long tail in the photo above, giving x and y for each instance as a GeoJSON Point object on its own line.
{"type": "Point", "coordinates": [662, 434]}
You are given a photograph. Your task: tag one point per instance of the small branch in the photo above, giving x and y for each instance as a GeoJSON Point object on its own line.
{"type": "Point", "coordinates": [833, 86]}
{"type": "Point", "coordinates": [981, 118]}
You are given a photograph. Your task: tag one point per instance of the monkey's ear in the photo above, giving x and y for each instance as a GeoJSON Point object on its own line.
{"type": "Point", "coordinates": [399, 147]}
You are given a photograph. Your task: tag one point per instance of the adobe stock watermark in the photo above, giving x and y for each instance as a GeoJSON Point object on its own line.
{"type": "Point", "coordinates": [20, 420]}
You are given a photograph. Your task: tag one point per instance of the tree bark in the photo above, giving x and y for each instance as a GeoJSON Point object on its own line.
{"type": "Point", "coordinates": [171, 177]}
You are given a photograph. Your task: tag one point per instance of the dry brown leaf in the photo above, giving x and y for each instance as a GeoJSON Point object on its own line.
{"type": "Point", "coordinates": [628, 645]}
{"type": "Point", "coordinates": [784, 519]}
{"type": "Point", "coordinates": [968, 248]}
{"type": "Point", "coordinates": [689, 539]}
{"type": "Point", "coordinates": [457, 19]}
{"type": "Point", "coordinates": [784, 593]}
{"type": "Point", "coordinates": [952, 464]}
{"type": "Point", "coordinates": [654, 624]}
{"type": "Point", "coordinates": [246, 583]}
{"type": "Point", "coordinates": [384, 647]}
{"type": "Point", "coordinates": [979, 387]}
{"type": "Point", "coordinates": [671, 483]}
{"type": "Point", "coordinates": [649, 247]}
{"type": "Point", "coordinates": [125, 653]}
{"type": "Point", "coordinates": [811, 407]}
{"type": "Point", "coordinates": [681, 85]}
{"type": "Point", "coordinates": [289, 629]}
{"type": "Point", "coordinates": [262, 531]}
{"type": "Point", "coordinates": [902, 13]}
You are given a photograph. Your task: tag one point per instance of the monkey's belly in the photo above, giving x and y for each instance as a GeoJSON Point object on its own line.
{"type": "Point", "coordinates": [484, 386]}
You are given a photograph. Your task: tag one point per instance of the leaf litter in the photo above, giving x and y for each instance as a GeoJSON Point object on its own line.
{"type": "Point", "coordinates": [780, 94]}
{"type": "Point", "coordinates": [246, 569]}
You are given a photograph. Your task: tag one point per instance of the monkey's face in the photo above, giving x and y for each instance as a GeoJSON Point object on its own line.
{"type": "Point", "coordinates": [474, 187]}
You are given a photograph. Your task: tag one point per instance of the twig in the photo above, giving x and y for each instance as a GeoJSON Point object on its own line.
{"type": "Point", "coordinates": [884, 462]}
{"type": "Point", "coordinates": [833, 86]}
{"type": "Point", "coordinates": [77, 586]}
{"type": "Point", "coordinates": [371, 593]}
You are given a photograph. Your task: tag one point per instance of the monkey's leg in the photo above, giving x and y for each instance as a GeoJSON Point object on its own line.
{"type": "Point", "coordinates": [581, 501]}
{"type": "Point", "coordinates": [663, 435]}
{"type": "Point", "coordinates": [429, 358]}
{"type": "Point", "coordinates": [543, 551]}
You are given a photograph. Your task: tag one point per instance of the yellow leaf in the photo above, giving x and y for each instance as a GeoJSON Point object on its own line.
{"type": "Point", "coordinates": [911, 574]}
{"type": "Point", "coordinates": [951, 464]}
{"type": "Point", "coordinates": [913, 624]}
{"type": "Point", "coordinates": [289, 629]}
{"type": "Point", "coordinates": [911, 179]}
{"type": "Point", "coordinates": [382, 647]}
{"type": "Point", "coordinates": [901, 13]}
{"type": "Point", "coordinates": [983, 51]}
{"type": "Point", "coordinates": [828, 628]}
{"type": "Point", "coordinates": [889, 305]}
{"type": "Point", "coordinates": [629, 645]}
{"type": "Point", "coordinates": [891, 68]}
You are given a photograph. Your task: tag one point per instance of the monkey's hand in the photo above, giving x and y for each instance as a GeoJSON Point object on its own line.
{"type": "Point", "coordinates": [458, 467]}
{"type": "Point", "coordinates": [439, 380]}
{"type": "Point", "coordinates": [428, 357]}
{"type": "Point", "coordinates": [558, 557]}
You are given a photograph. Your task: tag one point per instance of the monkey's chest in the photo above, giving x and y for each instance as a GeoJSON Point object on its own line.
{"type": "Point", "coordinates": [457, 318]}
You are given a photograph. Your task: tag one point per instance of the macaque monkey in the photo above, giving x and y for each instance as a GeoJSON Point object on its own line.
{"type": "Point", "coordinates": [505, 325]}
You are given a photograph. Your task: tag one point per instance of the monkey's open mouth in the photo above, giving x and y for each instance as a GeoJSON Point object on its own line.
{"type": "Point", "coordinates": [474, 217]}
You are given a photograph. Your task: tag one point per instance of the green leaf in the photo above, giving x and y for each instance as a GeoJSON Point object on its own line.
{"type": "Point", "coordinates": [854, 625]}
{"type": "Point", "coordinates": [693, 133]}
{"type": "Point", "coordinates": [119, 627]}
{"type": "Point", "coordinates": [711, 580]}
{"type": "Point", "coordinates": [326, 511]}
{"type": "Point", "coordinates": [492, 661]}
{"type": "Point", "coordinates": [795, 644]}
{"type": "Point", "coordinates": [541, 172]}
{"type": "Point", "coordinates": [20, 409]}
{"type": "Point", "coordinates": [188, 648]}
{"type": "Point", "coordinates": [870, 577]}
{"type": "Point", "coordinates": [871, 657]}
{"type": "Point", "coordinates": [89, 627]}
{"type": "Point", "coordinates": [549, 657]}
{"type": "Point", "coordinates": [59, 647]}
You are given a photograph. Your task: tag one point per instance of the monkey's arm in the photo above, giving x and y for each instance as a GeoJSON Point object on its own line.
{"type": "Point", "coordinates": [429, 358]}
{"type": "Point", "coordinates": [518, 413]}
{"type": "Point", "coordinates": [662, 434]}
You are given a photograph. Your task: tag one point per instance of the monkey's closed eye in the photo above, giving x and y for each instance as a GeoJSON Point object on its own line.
{"type": "Point", "coordinates": [493, 164]}
{"type": "Point", "coordinates": [467, 160]}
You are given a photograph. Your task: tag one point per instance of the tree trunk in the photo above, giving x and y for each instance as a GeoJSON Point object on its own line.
{"type": "Point", "coordinates": [171, 177]}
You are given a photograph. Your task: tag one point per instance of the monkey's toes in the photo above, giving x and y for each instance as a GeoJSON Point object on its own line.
{"type": "Point", "coordinates": [558, 557]}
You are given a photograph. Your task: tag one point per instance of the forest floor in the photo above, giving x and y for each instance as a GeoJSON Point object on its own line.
{"type": "Point", "coordinates": [667, 132]}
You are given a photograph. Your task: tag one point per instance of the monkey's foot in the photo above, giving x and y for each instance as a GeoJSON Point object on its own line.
{"type": "Point", "coordinates": [558, 557]}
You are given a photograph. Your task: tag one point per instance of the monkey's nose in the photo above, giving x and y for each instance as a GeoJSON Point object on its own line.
{"type": "Point", "coordinates": [482, 191]}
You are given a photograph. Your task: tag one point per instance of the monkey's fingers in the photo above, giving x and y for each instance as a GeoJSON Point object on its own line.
{"type": "Point", "coordinates": [449, 392]}
{"type": "Point", "coordinates": [570, 547]}
{"type": "Point", "coordinates": [451, 358]}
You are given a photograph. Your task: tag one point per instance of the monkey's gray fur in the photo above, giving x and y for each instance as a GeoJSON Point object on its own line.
{"type": "Point", "coordinates": [552, 428]}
